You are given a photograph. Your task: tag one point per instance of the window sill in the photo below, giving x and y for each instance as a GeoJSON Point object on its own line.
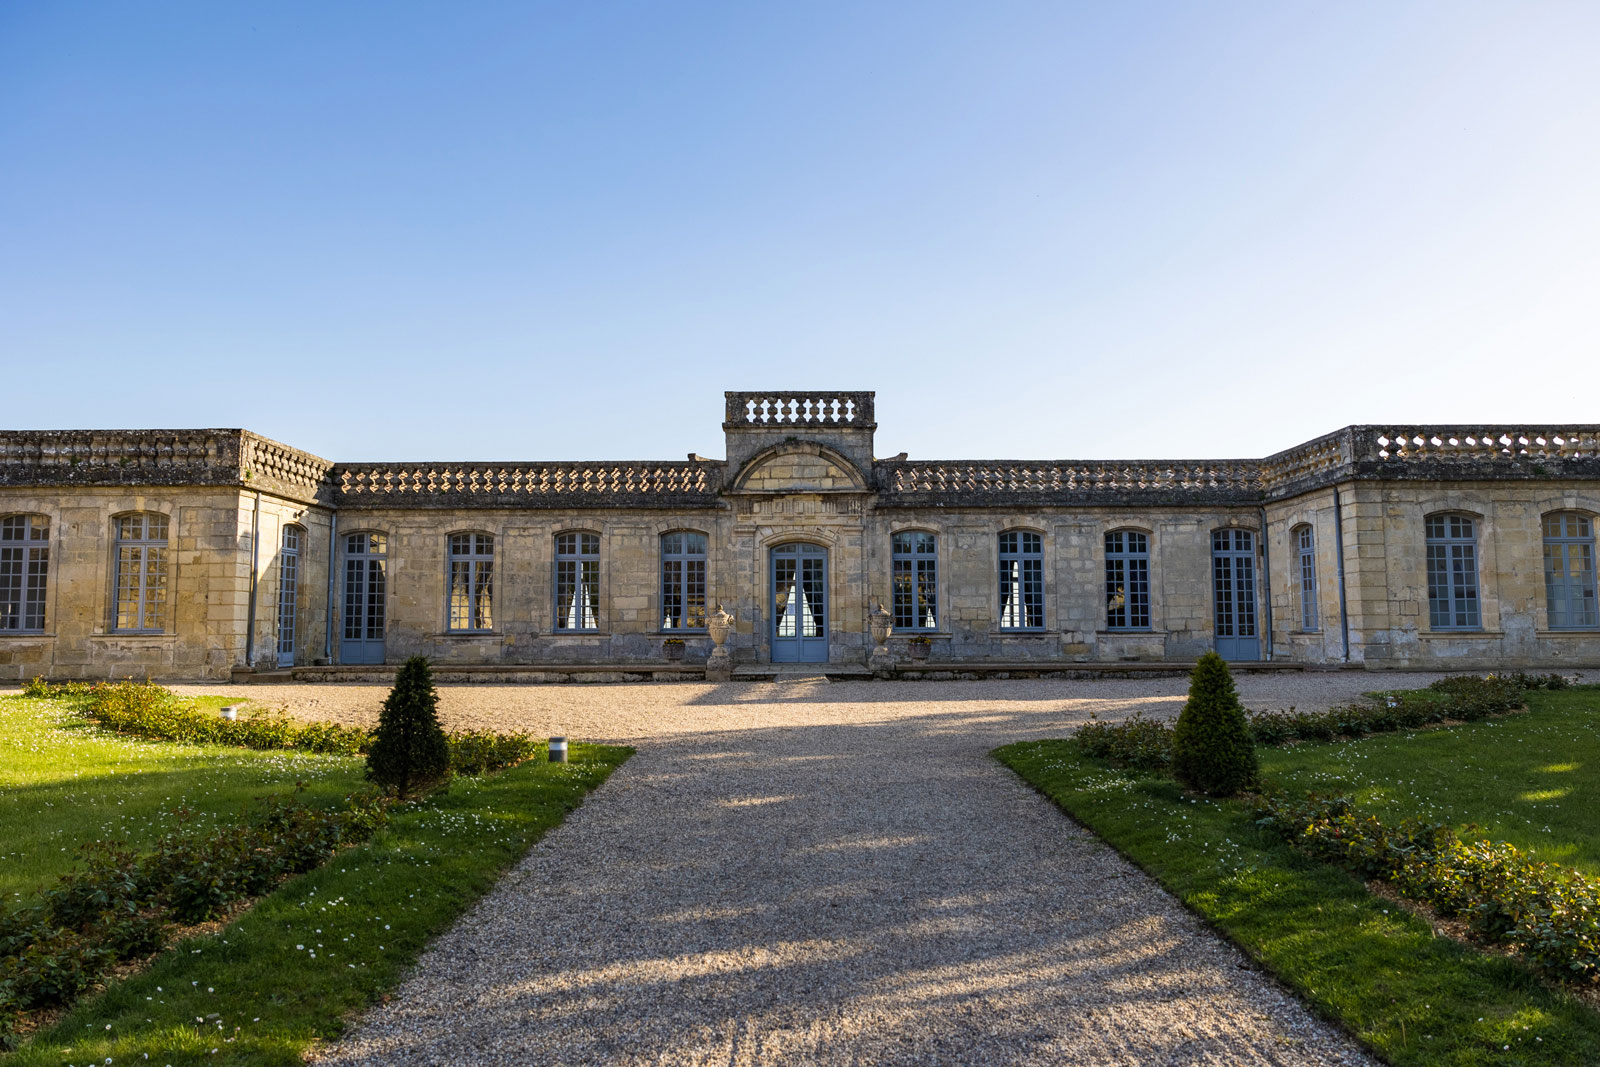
{"type": "Point", "coordinates": [685, 634]}
{"type": "Point", "coordinates": [575, 633]}
{"type": "Point", "coordinates": [24, 633]}
{"type": "Point", "coordinates": [1305, 633]}
{"type": "Point", "coordinates": [912, 635]}
{"type": "Point", "coordinates": [1590, 631]}
{"type": "Point", "coordinates": [151, 636]}
{"type": "Point", "coordinates": [1024, 633]}
{"type": "Point", "coordinates": [1131, 633]}
{"type": "Point", "coordinates": [458, 634]}
{"type": "Point", "coordinates": [1453, 635]}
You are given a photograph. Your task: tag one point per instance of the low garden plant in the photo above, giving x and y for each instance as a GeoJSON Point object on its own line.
{"type": "Point", "coordinates": [1550, 914]}
{"type": "Point", "coordinates": [1143, 743]}
{"type": "Point", "coordinates": [118, 905]}
{"type": "Point", "coordinates": [289, 971]}
{"type": "Point", "coordinates": [1291, 890]}
{"type": "Point", "coordinates": [155, 713]}
{"type": "Point", "coordinates": [139, 709]}
{"type": "Point", "coordinates": [340, 920]}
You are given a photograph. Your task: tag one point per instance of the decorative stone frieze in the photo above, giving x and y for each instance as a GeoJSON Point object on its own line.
{"type": "Point", "coordinates": [161, 458]}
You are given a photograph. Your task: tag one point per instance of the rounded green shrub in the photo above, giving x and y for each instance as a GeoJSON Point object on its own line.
{"type": "Point", "coordinates": [409, 750]}
{"type": "Point", "coordinates": [1212, 750]}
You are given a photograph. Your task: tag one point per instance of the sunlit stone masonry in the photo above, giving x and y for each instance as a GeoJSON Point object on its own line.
{"type": "Point", "coordinates": [205, 553]}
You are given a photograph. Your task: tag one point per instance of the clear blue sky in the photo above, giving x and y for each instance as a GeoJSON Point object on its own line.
{"type": "Point", "coordinates": [557, 231]}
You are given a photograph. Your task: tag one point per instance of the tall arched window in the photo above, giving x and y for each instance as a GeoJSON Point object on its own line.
{"type": "Point", "coordinates": [1453, 572]}
{"type": "Point", "coordinates": [1127, 580]}
{"type": "Point", "coordinates": [24, 571]}
{"type": "Point", "coordinates": [1021, 580]}
{"type": "Point", "coordinates": [141, 578]}
{"type": "Point", "coordinates": [471, 597]}
{"type": "Point", "coordinates": [913, 579]}
{"type": "Point", "coordinates": [1569, 580]}
{"type": "Point", "coordinates": [683, 580]}
{"type": "Point", "coordinates": [1305, 548]}
{"type": "Point", "coordinates": [577, 581]}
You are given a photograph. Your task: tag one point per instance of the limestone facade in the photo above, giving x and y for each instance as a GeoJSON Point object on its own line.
{"type": "Point", "coordinates": [1330, 560]}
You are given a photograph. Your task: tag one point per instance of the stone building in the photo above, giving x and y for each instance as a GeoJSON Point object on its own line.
{"type": "Point", "coordinates": [202, 553]}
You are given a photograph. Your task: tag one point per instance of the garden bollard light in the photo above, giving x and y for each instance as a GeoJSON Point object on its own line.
{"type": "Point", "coordinates": [558, 750]}
{"type": "Point", "coordinates": [231, 713]}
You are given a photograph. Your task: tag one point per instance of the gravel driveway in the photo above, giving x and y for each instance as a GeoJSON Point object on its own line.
{"type": "Point", "coordinates": [811, 873]}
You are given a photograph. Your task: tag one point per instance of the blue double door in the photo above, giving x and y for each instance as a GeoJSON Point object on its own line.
{"type": "Point", "coordinates": [799, 603]}
{"type": "Point", "coordinates": [1233, 585]}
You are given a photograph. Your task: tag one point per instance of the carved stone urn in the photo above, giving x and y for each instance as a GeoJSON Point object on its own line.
{"type": "Point", "coordinates": [719, 665]}
{"type": "Point", "coordinates": [881, 661]}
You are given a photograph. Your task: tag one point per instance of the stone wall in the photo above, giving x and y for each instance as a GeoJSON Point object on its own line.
{"type": "Point", "coordinates": [208, 584]}
{"type": "Point", "coordinates": [800, 467]}
{"type": "Point", "coordinates": [1388, 583]}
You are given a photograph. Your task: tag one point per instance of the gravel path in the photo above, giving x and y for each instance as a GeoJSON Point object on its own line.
{"type": "Point", "coordinates": [814, 873]}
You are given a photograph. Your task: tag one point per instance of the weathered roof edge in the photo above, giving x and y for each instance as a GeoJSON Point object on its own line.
{"type": "Point", "coordinates": [232, 456]}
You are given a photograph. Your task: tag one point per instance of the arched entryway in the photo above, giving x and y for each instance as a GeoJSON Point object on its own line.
{"type": "Point", "coordinates": [799, 603]}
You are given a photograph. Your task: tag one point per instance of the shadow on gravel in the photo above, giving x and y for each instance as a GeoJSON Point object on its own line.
{"type": "Point", "coordinates": [861, 892]}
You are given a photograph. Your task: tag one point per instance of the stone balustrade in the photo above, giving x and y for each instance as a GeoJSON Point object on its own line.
{"type": "Point", "coordinates": [237, 457]}
{"type": "Point", "coordinates": [1470, 443]}
{"type": "Point", "coordinates": [544, 484]}
{"type": "Point", "coordinates": [853, 410]}
{"type": "Point", "coordinates": [1046, 477]}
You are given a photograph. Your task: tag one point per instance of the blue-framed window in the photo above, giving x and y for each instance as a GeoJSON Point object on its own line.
{"type": "Point", "coordinates": [1021, 580]}
{"type": "Point", "coordinates": [577, 582]}
{"type": "Point", "coordinates": [1453, 572]}
{"type": "Point", "coordinates": [914, 580]}
{"type": "Point", "coordinates": [24, 572]}
{"type": "Point", "coordinates": [471, 596]}
{"type": "Point", "coordinates": [683, 580]}
{"type": "Point", "coordinates": [1569, 579]}
{"type": "Point", "coordinates": [288, 588]}
{"type": "Point", "coordinates": [1127, 580]}
{"type": "Point", "coordinates": [1305, 548]}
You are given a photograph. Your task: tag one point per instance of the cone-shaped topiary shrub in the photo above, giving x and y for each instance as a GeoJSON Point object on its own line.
{"type": "Point", "coordinates": [1211, 746]}
{"type": "Point", "coordinates": [409, 750]}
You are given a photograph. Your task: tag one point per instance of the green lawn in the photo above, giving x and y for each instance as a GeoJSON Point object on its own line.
{"type": "Point", "coordinates": [1533, 780]}
{"type": "Point", "coordinates": [1356, 958]}
{"type": "Point", "coordinates": [289, 971]}
{"type": "Point", "coordinates": [65, 782]}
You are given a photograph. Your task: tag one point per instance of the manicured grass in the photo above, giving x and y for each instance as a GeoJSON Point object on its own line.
{"type": "Point", "coordinates": [1532, 780]}
{"type": "Point", "coordinates": [1355, 958]}
{"type": "Point", "coordinates": [65, 782]}
{"type": "Point", "coordinates": [288, 972]}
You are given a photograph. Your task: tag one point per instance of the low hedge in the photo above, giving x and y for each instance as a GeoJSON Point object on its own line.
{"type": "Point", "coordinates": [1141, 743]}
{"type": "Point", "coordinates": [155, 713]}
{"type": "Point", "coordinates": [119, 905]}
{"type": "Point", "coordinates": [158, 714]}
{"type": "Point", "coordinates": [475, 752]}
{"type": "Point", "coordinates": [1550, 914]}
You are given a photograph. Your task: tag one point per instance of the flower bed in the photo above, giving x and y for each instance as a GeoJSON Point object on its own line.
{"type": "Point", "coordinates": [1141, 743]}
{"type": "Point", "coordinates": [154, 713]}
{"type": "Point", "coordinates": [119, 906]}
{"type": "Point", "coordinates": [1550, 914]}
